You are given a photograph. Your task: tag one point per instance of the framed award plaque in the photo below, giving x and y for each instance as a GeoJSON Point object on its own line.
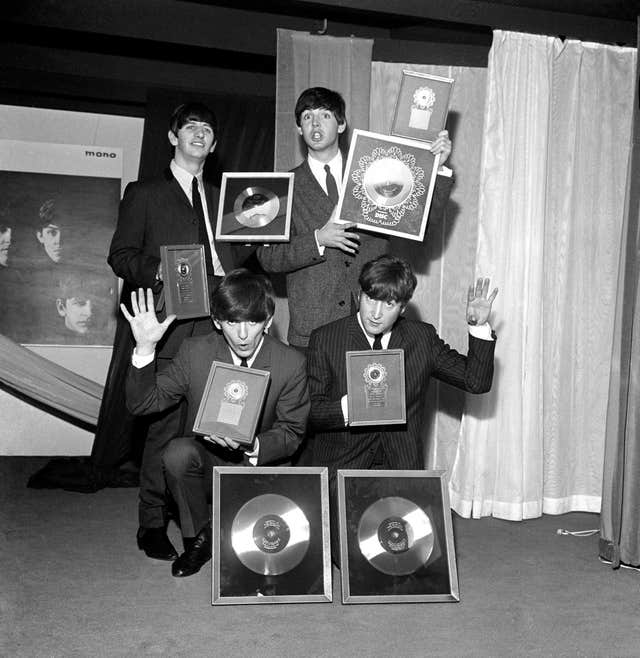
{"type": "Point", "coordinates": [270, 535]}
{"type": "Point", "coordinates": [232, 402]}
{"type": "Point", "coordinates": [185, 289]}
{"type": "Point", "coordinates": [388, 185]}
{"type": "Point", "coordinates": [396, 537]}
{"type": "Point", "coordinates": [376, 387]}
{"type": "Point", "coordinates": [422, 106]}
{"type": "Point", "coordinates": [255, 207]}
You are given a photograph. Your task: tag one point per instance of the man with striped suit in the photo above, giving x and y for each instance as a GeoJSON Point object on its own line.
{"type": "Point", "coordinates": [387, 284]}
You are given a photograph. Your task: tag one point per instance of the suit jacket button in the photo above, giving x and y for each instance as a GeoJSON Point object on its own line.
{"type": "Point", "coordinates": [341, 302]}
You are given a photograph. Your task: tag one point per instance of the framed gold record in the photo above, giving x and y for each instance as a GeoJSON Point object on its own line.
{"type": "Point", "coordinates": [396, 537]}
{"type": "Point", "coordinates": [270, 535]}
{"type": "Point", "coordinates": [255, 207]}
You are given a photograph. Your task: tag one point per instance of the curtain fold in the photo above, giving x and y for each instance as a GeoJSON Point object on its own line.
{"type": "Point", "coordinates": [444, 261]}
{"type": "Point", "coordinates": [620, 516]}
{"type": "Point", "coordinates": [557, 123]}
{"type": "Point", "coordinates": [48, 383]}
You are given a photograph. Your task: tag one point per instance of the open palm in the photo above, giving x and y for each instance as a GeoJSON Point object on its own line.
{"type": "Point", "coordinates": [479, 302]}
{"type": "Point", "coordinates": [146, 329]}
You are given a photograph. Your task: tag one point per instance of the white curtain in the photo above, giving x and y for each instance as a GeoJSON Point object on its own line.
{"type": "Point", "coordinates": [444, 261]}
{"type": "Point", "coordinates": [552, 188]}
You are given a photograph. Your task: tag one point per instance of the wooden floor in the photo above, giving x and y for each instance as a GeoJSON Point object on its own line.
{"type": "Point", "coordinates": [74, 584]}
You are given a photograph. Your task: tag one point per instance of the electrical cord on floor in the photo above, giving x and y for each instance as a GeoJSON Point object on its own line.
{"type": "Point", "coordinates": [577, 533]}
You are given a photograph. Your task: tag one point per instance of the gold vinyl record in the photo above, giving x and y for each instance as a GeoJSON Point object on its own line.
{"type": "Point", "coordinates": [387, 182]}
{"type": "Point", "coordinates": [256, 207]}
{"type": "Point", "coordinates": [270, 534]}
{"type": "Point", "coordinates": [395, 536]}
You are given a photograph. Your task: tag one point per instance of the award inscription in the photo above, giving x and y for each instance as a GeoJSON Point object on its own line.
{"type": "Point", "coordinates": [235, 395]}
{"type": "Point", "coordinates": [375, 385]}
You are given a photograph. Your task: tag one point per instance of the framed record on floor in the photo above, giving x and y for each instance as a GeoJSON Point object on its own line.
{"type": "Point", "coordinates": [396, 537]}
{"type": "Point", "coordinates": [270, 535]}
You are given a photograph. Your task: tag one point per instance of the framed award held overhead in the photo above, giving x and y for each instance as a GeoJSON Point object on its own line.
{"type": "Point", "coordinates": [185, 288]}
{"type": "Point", "coordinates": [270, 535]}
{"type": "Point", "coordinates": [422, 106]}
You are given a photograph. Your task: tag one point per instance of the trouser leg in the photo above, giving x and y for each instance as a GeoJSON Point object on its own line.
{"type": "Point", "coordinates": [188, 472]}
{"type": "Point", "coordinates": [163, 429]}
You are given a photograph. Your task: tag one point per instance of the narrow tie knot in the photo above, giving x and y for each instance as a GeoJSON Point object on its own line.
{"type": "Point", "coordinates": [377, 342]}
{"type": "Point", "coordinates": [243, 362]}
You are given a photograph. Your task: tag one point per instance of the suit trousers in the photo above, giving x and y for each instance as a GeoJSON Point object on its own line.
{"type": "Point", "coordinates": [188, 468]}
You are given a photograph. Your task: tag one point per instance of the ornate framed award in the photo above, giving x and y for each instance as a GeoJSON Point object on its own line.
{"type": "Point", "coordinates": [255, 207]}
{"type": "Point", "coordinates": [270, 535]}
{"type": "Point", "coordinates": [388, 185]}
{"type": "Point", "coordinates": [376, 387]}
{"type": "Point", "coordinates": [396, 537]}
{"type": "Point", "coordinates": [232, 402]}
{"type": "Point", "coordinates": [185, 289]}
{"type": "Point", "coordinates": [422, 106]}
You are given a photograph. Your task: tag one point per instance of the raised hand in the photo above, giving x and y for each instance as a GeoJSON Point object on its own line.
{"type": "Point", "coordinates": [337, 236]}
{"type": "Point", "coordinates": [479, 302]}
{"type": "Point", "coordinates": [146, 329]}
{"type": "Point", "coordinates": [442, 145]}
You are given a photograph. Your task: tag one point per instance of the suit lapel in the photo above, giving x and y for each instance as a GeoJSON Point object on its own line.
{"type": "Point", "coordinates": [357, 339]}
{"type": "Point", "coordinates": [263, 357]}
{"type": "Point", "coordinates": [397, 335]}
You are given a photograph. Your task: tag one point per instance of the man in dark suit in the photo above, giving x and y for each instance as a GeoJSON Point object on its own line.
{"type": "Point", "coordinates": [323, 255]}
{"type": "Point", "coordinates": [386, 286]}
{"type": "Point", "coordinates": [242, 310]}
{"type": "Point", "coordinates": [177, 208]}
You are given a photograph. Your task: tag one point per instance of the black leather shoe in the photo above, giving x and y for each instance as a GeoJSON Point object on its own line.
{"type": "Point", "coordinates": [197, 553]}
{"type": "Point", "coordinates": [155, 543]}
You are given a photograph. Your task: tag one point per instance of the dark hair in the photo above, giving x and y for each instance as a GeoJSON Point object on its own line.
{"type": "Point", "coordinates": [243, 296]}
{"type": "Point", "coordinates": [388, 278]}
{"type": "Point", "coordinates": [47, 215]}
{"type": "Point", "coordinates": [316, 98]}
{"type": "Point", "coordinates": [193, 112]}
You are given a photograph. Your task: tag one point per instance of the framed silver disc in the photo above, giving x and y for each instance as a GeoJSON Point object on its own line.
{"type": "Point", "coordinates": [270, 534]}
{"type": "Point", "coordinates": [256, 207]}
{"type": "Point", "coordinates": [395, 536]}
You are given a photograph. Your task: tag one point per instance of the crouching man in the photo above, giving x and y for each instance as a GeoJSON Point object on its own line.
{"type": "Point", "coordinates": [242, 311]}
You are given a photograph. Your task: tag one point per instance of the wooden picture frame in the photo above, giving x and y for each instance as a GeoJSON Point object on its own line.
{"type": "Point", "coordinates": [388, 185]}
{"type": "Point", "coordinates": [184, 276]}
{"type": "Point", "coordinates": [422, 106]}
{"type": "Point", "coordinates": [232, 402]}
{"type": "Point", "coordinates": [396, 537]}
{"type": "Point", "coordinates": [255, 207]}
{"type": "Point", "coordinates": [270, 535]}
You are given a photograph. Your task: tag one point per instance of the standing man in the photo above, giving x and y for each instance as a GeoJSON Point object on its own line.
{"type": "Point", "coordinates": [242, 310]}
{"type": "Point", "coordinates": [322, 260]}
{"type": "Point", "coordinates": [178, 208]}
{"type": "Point", "coordinates": [386, 286]}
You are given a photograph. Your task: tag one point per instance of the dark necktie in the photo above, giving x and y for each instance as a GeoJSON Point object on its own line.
{"type": "Point", "coordinates": [203, 237]}
{"type": "Point", "coordinates": [332, 188]}
{"type": "Point", "coordinates": [243, 362]}
{"type": "Point", "coordinates": [377, 342]}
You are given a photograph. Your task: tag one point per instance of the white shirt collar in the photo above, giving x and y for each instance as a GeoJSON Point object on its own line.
{"type": "Point", "coordinates": [251, 359]}
{"type": "Point", "coordinates": [317, 169]}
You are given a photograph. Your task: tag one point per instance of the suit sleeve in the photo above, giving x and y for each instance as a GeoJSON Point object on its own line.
{"type": "Point", "coordinates": [292, 412]}
{"type": "Point", "coordinates": [126, 254]}
{"type": "Point", "coordinates": [148, 391]}
{"type": "Point", "coordinates": [441, 194]}
{"type": "Point", "coordinates": [472, 373]}
{"type": "Point", "coordinates": [324, 390]}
